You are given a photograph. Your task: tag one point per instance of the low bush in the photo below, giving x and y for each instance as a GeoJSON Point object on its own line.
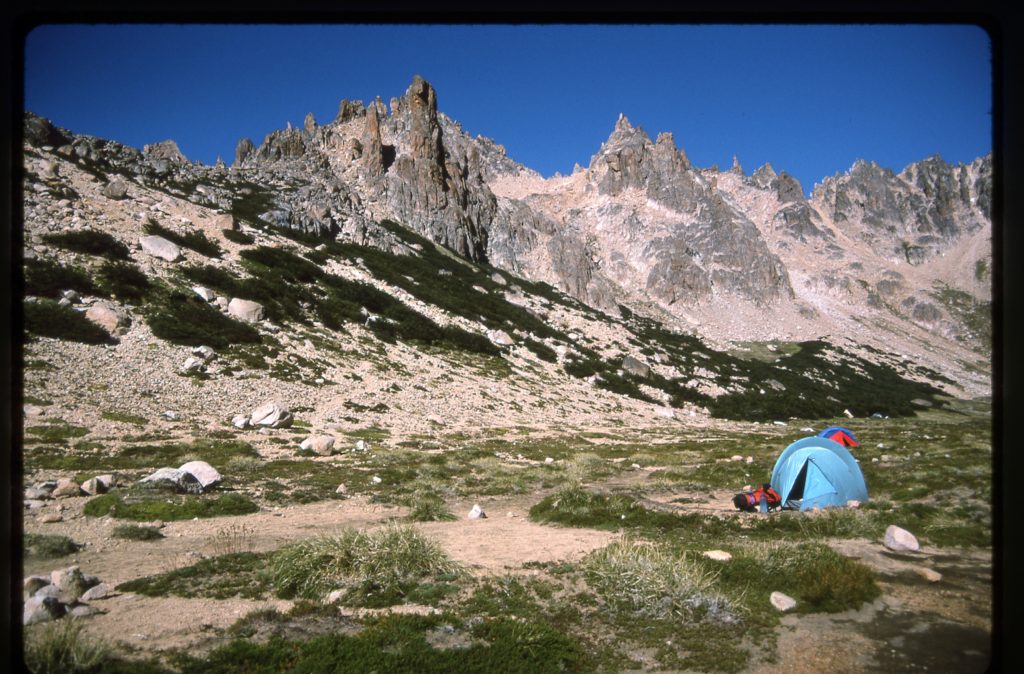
{"type": "Point", "coordinates": [125, 281]}
{"type": "Point", "coordinates": [195, 240]}
{"type": "Point", "coordinates": [61, 648]}
{"type": "Point", "coordinates": [49, 546]}
{"type": "Point", "coordinates": [131, 532]}
{"type": "Point", "coordinates": [238, 574]}
{"type": "Point", "coordinates": [46, 318]}
{"type": "Point", "coordinates": [90, 242]}
{"type": "Point", "coordinates": [428, 507]}
{"type": "Point", "coordinates": [188, 320]}
{"type": "Point", "coordinates": [235, 236]}
{"type": "Point", "coordinates": [46, 278]}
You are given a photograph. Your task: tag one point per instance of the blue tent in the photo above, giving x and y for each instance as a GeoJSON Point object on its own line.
{"type": "Point", "coordinates": [817, 472]}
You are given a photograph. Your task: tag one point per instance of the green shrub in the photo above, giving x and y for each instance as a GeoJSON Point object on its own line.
{"type": "Point", "coordinates": [236, 236]}
{"type": "Point", "coordinates": [124, 280]}
{"type": "Point", "coordinates": [131, 532]}
{"type": "Point", "coordinates": [196, 240]}
{"type": "Point", "coordinates": [90, 242]}
{"type": "Point", "coordinates": [237, 574]}
{"type": "Point", "coordinates": [188, 320]}
{"type": "Point", "coordinates": [428, 507]}
{"type": "Point", "coordinates": [46, 318]}
{"type": "Point", "coordinates": [46, 278]}
{"type": "Point", "coordinates": [49, 546]}
{"type": "Point", "coordinates": [376, 568]}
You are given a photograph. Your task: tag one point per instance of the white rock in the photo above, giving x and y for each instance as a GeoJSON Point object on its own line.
{"type": "Point", "coordinates": [41, 609]}
{"type": "Point", "coordinates": [548, 459]}
{"type": "Point", "coordinates": [51, 518]}
{"type": "Point", "coordinates": [635, 466]}
{"type": "Point", "coordinates": [780, 423]}
{"type": "Point", "coordinates": [749, 459]}
{"type": "Point", "coordinates": [931, 575]}
{"type": "Point", "coordinates": [342, 489]}
{"type": "Point", "coordinates": [500, 337]}
{"type": "Point", "coordinates": [376, 479]}
{"type": "Point", "coordinates": [848, 413]}
{"type": "Point", "coordinates": [66, 487]}
{"type": "Point", "coordinates": [322, 445]}
{"type": "Point", "coordinates": [735, 457]}
{"type": "Point", "coordinates": [718, 555]}
{"type": "Point", "coordinates": [782, 602]}
{"type": "Point", "coordinates": [204, 352]}
{"type": "Point", "coordinates": [158, 246]}
{"type": "Point", "coordinates": [272, 414]}
{"type": "Point", "coordinates": [900, 540]}
{"type": "Point", "coordinates": [853, 503]}
{"type": "Point", "coordinates": [193, 364]}
{"type": "Point", "coordinates": [174, 478]}
{"type": "Point", "coordinates": [205, 294]}
{"type": "Point", "coordinates": [170, 415]}
{"type": "Point", "coordinates": [807, 430]}
{"type": "Point", "coordinates": [666, 412]}
{"type": "Point", "coordinates": [360, 445]}
{"type": "Point", "coordinates": [240, 421]}
{"type": "Point", "coordinates": [204, 473]}
{"type": "Point", "coordinates": [246, 310]}
{"type": "Point", "coordinates": [337, 595]}
{"type": "Point", "coordinates": [477, 513]}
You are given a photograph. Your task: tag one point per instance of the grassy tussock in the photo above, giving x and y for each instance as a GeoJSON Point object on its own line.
{"type": "Point", "coordinates": [389, 563]}
{"type": "Point", "coordinates": [49, 546]}
{"type": "Point", "coordinates": [61, 648]}
{"type": "Point", "coordinates": [656, 582]}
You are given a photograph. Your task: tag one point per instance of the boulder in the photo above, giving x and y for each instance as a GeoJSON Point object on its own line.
{"type": "Point", "coordinates": [900, 540]}
{"type": "Point", "coordinates": [173, 478]}
{"type": "Point", "coordinates": [106, 481]}
{"type": "Point", "coordinates": [204, 293]}
{"type": "Point", "coordinates": [635, 367]}
{"type": "Point", "coordinates": [35, 493]}
{"type": "Point", "coordinates": [499, 279]}
{"type": "Point", "coordinates": [322, 445]}
{"type": "Point", "coordinates": [204, 352]}
{"type": "Point", "coordinates": [42, 609]}
{"type": "Point", "coordinates": [500, 337]}
{"type": "Point", "coordinates": [782, 602]}
{"type": "Point", "coordinates": [240, 421]}
{"type": "Point", "coordinates": [33, 584]}
{"type": "Point", "coordinates": [70, 583]}
{"type": "Point", "coordinates": [477, 513]}
{"type": "Point", "coordinates": [205, 474]}
{"type": "Point", "coordinates": [83, 611]}
{"type": "Point", "coordinates": [193, 365]}
{"type": "Point", "coordinates": [158, 246]}
{"type": "Point", "coordinates": [271, 414]}
{"type": "Point", "coordinates": [246, 310]}
{"type": "Point", "coordinates": [718, 555]}
{"type": "Point", "coordinates": [98, 591]}
{"type": "Point", "coordinates": [94, 486]}
{"type": "Point", "coordinates": [66, 487]}
{"type": "Point", "coordinates": [109, 317]}
{"type": "Point", "coordinates": [116, 189]}
{"type": "Point", "coordinates": [931, 575]}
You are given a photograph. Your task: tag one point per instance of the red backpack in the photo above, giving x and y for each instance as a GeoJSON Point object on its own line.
{"type": "Point", "coordinates": [764, 498]}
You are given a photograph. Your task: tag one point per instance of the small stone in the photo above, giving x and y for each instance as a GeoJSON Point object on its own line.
{"type": "Point", "coordinates": [84, 611]}
{"type": "Point", "coordinates": [477, 513]}
{"type": "Point", "coordinates": [41, 609]}
{"type": "Point", "coordinates": [749, 459]}
{"type": "Point", "coordinates": [240, 421]}
{"type": "Point", "coordinates": [635, 466]}
{"type": "Point", "coordinates": [848, 413]}
{"type": "Point", "coordinates": [204, 352]}
{"type": "Point", "coordinates": [246, 310]}
{"type": "Point", "coordinates": [157, 246]}
{"type": "Point", "coordinates": [169, 415]}
{"type": "Point", "coordinates": [735, 457]}
{"type": "Point", "coordinates": [204, 473]}
{"type": "Point", "coordinates": [205, 294]}
{"type": "Point", "coordinates": [900, 540]}
{"type": "Point", "coordinates": [334, 596]}
{"type": "Point", "coordinates": [782, 602]}
{"type": "Point", "coordinates": [360, 445]}
{"type": "Point", "coordinates": [853, 503]}
{"type": "Point", "coordinates": [718, 555]}
{"type": "Point", "coordinates": [33, 584]}
{"type": "Point", "coordinates": [50, 518]}
{"type": "Point", "coordinates": [322, 445]}
{"type": "Point", "coordinates": [342, 489]}
{"type": "Point", "coordinates": [780, 423]}
{"type": "Point", "coordinates": [376, 479]}
{"type": "Point", "coordinates": [548, 459]}
{"type": "Point", "coordinates": [931, 575]}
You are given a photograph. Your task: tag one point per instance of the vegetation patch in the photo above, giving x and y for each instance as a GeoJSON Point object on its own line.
{"type": "Point", "coordinates": [195, 240]}
{"type": "Point", "coordinates": [239, 574]}
{"type": "Point", "coordinates": [168, 509]}
{"type": "Point", "coordinates": [46, 318]}
{"type": "Point", "coordinates": [56, 432]}
{"type": "Point", "coordinates": [124, 418]}
{"type": "Point", "coordinates": [46, 278]}
{"type": "Point", "coordinates": [186, 319]}
{"type": "Point", "coordinates": [376, 569]}
{"type": "Point", "coordinates": [49, 546]}
{"type": "Point", "coordinates": [235, 236]}
{"type": "Point", "coordinates": [125, 281]}
{"type": "Point", "coordinates": [90, 242]}
{"type": "Point", "coordinates": [132, 532]}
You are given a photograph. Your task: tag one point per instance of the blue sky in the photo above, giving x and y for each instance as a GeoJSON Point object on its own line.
{"type": "Point", "coordinates": [809, 99]}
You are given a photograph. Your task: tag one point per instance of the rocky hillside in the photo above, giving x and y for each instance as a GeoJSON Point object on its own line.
{"type": "Point", "coordinates": [387, 260]}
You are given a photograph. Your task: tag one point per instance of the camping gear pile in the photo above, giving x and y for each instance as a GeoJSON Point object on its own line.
{"type": "Point", "coordinates": [815, 472]}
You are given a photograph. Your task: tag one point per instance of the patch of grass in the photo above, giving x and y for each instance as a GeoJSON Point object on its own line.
{"type": "Point", "coordinates": [238, 574]}
{"type": "Point", "coordinates": [429, 507]}
{"type": "Point", "coordinates": [575, 506]}
{"type": "Point", "coordinates": [124, 418]}
{"type": "Point", "coordinates": [400, 643]}
{"type": "Point", "coordinates": [61, 648]}
{"type": "Point", "coordinates": [652, 580]}
{"type": "Point", "coordinates": [49, 546]}
{"type": "Point", "coordinates": [378, 568]}
{"type": "Point", "coordinates": [132, 532]}
{"type": "Point", "coordinates": [46, 278]}
{"type": "Point", "coordinates": [186, 319]}
{"type": "Point", "coordinates": [57, 431]}
{"type": "Point", "coordinates": [168, 509]}
{"type": "Point", "coordinates": [46, 318]}
{"type": "Point", "coordinates": [90, 242]}
{"type": "Point", "coordinates": [195, 240]}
